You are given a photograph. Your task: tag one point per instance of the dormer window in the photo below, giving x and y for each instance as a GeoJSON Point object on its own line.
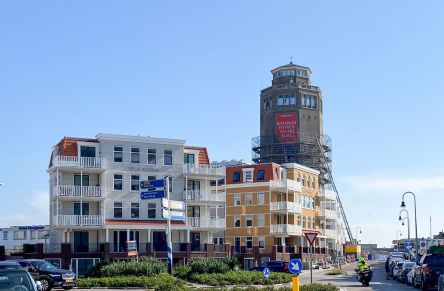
{"type": "Point", "coordinates": [248, 175]}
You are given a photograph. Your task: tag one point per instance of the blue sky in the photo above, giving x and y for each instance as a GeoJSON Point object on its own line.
{"type": "Point", "coordinates": [194, 69]}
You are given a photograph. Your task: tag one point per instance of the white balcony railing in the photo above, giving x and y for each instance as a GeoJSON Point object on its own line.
{"type": "Point", "coordinates": [79, 220]}
{"type": "Point", "coordinates": [206, 222]}
{"type": "Point", "coordinates": [330, 232]}
{"type": "Point", "coordinates": [286, 205]}
{"type": "Point", "coordinates": [285, 184]}
{"type": "Point", "coordinates": [203, 170]}
{"type": "Point", "coordinates": [327, 194]}
{"type": "Point", "coordinates": [78, 162]}
{"type": "Point", "coordinates": [198, 195]}
{"type": "Point", "coordinates": [285, 229]}
{"type": "Point", "coordinates": [78, 191]}
{"type": "Point", "coordinates": [328, 213]}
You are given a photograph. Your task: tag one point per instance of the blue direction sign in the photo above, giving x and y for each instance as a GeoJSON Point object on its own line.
{"type": "Point", "coordinates": [340, 261]}
{"type": "Point", "coordinates": [295, 266]}
{"type": "Point", "coordinates": [152, 184]}
{"type": "Point", "coordinates": [152, 194]}
{"type": "Point", "coordinates": [266, 272]}
{"type": "Point", "coordinates": [408, 245]}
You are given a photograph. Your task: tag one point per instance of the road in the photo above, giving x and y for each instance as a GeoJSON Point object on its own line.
{"type": "Point", "coordinates": [349, 282]}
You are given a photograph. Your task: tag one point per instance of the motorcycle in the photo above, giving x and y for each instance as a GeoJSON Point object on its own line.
{"type": "Point", "coordinates": [365, 276]}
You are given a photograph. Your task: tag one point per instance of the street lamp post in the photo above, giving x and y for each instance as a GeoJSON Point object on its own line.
{"type": "Point", "coordinates": [408, 221]}
{"type": "Point", "coordinates": [416, 220]}
{"type": "Point", "coordinates": [398, 232]}
{"type": "Point", "coordinates": [360, 231]}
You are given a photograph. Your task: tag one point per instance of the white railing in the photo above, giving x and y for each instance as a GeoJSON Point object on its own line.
{"type": "Point", "coordinates": [327, 194]}
{"type": "Point", "coordinates": [291, 185]}
{"type": "Point", "coordinates": [78, 191]}
{"type": "Point", "coordinates": [285, 229]}
{"type": "Point", "coordinates": [206, 222]}
{"type": "Point", "coordinates": [76, 162]}
{"type": "Point", "coordinates": [328, 213]}
{"type": "Point", "coordinates": [198, 195]}
{"type": "Point", "coordinates": [286, 205]}
{"type": "Point", "coordinates": [79, 220]}
{"type": "Point", "coordinates": [203, 170]}
{"type": "Point", "coordinates": [330, 232]}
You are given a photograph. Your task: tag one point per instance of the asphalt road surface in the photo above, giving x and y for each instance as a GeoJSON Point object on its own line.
{"type": "Point", "coordinates": [349, 282]}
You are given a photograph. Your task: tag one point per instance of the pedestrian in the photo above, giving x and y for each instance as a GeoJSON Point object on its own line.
{"type": "Point", "coordinates": [387, 267]}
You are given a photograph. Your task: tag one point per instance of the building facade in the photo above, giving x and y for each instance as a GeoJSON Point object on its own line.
{"type": "Point", "coordinates": [96, 203]}
{"type": "Point", "coordinates": [13, 238]}
{"type": "Point", "coordinates": [270, 206]}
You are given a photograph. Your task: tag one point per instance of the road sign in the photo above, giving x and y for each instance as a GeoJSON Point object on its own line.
{"type": "Point", "coordinates": [266, 272]}
{"type": "Point", "coordinates": [311, 236]}
{"type": "Point", "coordinates": [152, 194]}
{"type": "Point", "coordinates": [152, 184]}
{"type": "Point", "coordinates": [408, 245]}
{"type": "Point", "coordinates": [174, 204]}
{"type": "Point", "coordinates": [295, 266]}
{"type": "Point", "coordinates": [131, 247]}
{"type": "Point", "coordinates": [340, 261]}
{"type": "Point", "coordinates": [175, 215]}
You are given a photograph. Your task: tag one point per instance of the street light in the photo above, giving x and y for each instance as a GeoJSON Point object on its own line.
{"type": "Point", "coordinates": [416, 221]}
{"type": "Point", "coordinates": [360, 231]}
{"type": "Point", "coordinates": [408, 221]}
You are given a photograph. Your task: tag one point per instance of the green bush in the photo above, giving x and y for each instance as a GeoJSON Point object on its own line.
{"type": "Point", "coordinates": [336, 272]}
{"type": "Point", "coordinates": [182, 272]}
{"type": "Point", "coordinates": [318, 287]}
{"type": "Point", "coordinates": [233, 263]}
{"type": "Point", "coordinates": [145, 267]}
{"type": "Point", "coordinates": [208, 266]}
{"type": "Point", "coordinates": [244, 278]}
{"type": "Point", "coordinates": [162, 282]}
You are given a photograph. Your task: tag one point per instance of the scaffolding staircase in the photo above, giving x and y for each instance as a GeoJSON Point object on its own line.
{"type": "Point", "coordinates": [332, 182]}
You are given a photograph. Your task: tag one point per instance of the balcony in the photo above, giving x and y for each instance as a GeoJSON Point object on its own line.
{"type": "Point", "coordinates": [79, 220]}
{"type": "Point", "coordinates": [199, 196]}
{"type": "Point", "coordinates": [327, 214]}
{"type": "Point", "coordinates": [206, 222]}
{"type": "Point", "coordinates": [72, 191]}
{"type": "Point", "coordinates": [78, 162]}
{"type": "Point", "coordinates": [327, 194]}
{"type": "Point", "coordinates": [284, 206]}
{"type": "Point", "coordinates": [330, 233]}
{"type": "Point", "coordinates": [286, 185]}
{"type": "Point", "coordinates": [285, 229]}
{"type": "Point", "coordinates": [193, 170]}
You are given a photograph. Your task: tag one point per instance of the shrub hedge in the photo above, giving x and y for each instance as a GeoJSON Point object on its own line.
{"type": "Point", "coordinates": [240, 278]}
{"type": "Point", "coordinates": [145, 267]}
{"type": "Point", "coordinates": [162, 282]}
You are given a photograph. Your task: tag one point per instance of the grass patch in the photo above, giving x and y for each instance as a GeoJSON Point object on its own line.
{"type": "Point", "coordinates": [336, 272]}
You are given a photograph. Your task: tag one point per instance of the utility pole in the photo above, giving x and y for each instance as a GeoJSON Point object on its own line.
{"type": "Point", "coordinates": [431, 227]}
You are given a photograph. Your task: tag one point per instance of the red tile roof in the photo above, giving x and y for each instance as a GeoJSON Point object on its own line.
{"type": "Point", "coordinates": [203, 154]}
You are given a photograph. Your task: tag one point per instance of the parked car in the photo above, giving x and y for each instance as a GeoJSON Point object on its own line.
{"type": "Point", "coordinates": [274, 266]}
{"type": "Point", "coordinates": [397, 269]}
{"type": "Point", "coordinates": [429, 268]}
{"type": "Point", "coordinates": [8, 265]}
{"type": "Point", "coordinates": [411, 276]}
{"type": "Point", "coordinates": [48, 275]}
{"type": "Point", "coordinates": [402, 274]}
{"type": "Point", "coordinates": [441, 283]}
{"type": "Point", "coordinates": [17, 280]}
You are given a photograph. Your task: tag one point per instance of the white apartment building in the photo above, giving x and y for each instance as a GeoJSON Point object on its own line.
{"type": "Point", "coordinates": [96, 201]}
{"type": "Point", "coordinates": [13, 238]}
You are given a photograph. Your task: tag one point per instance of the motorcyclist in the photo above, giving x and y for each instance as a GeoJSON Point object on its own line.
{"type": "Point", "coordinates": [362, 265]}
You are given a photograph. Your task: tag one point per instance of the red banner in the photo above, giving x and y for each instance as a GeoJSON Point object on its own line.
{"type": "Point", "coordinates": [286, 126]}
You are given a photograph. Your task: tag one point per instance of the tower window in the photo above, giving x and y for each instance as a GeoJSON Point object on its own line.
{"type": "Point", "coordinates": [266, 104]}
{"type": "Point", "coordinates": [286, 100]}
{"type": "Point", "coordinates": [308, 101]}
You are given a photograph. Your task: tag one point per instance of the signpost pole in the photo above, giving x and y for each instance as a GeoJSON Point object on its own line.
{"type": "Point", "coordinates": [311, 265]}
{"type": "Point", "coordinates": [295, 282]}
{"type": "Point", "coordinates": [169, 244]}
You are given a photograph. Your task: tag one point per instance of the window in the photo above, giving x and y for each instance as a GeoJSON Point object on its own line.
{"type": "Point", "coordinates": [236, 176]}
{"type": "Point", "coordinates": [170, 184]}
{"type": "Point", "coordinates": [237, 200]}
{"type": "Point", "coordinates": [43, 234]}
{"type": "Point", "coordinates": [248, 176]}
{"type": "Point", "coordinates": [249, 242]}
{"type": "Point", "coordinates": [261, 242]}
{"type": "Point", "coordinates": [249, 220]}
{"type": "Point", "coordinates": [118, 182]}
{"type": "Point", "coordinates": [313, 184]}
{"type": "Point", "coordinates": [286, 100]}
{"type": "Point", "coordinates": [237, 221]}
{"type": "Point", "coordinates": [266, 104]}
{"type": "Point", "coordinates": [134, 210]}
{"type": "Point", "coordinates": [135, 181]}
{"type": "Point", "coordinates": [5, 235]}
{"type": "Point", "coordinates": [248, 198]}
{"type": "Point", "coordinates": [168, 157]}
{"type": "Point", "coordinates": [135, 155]}
{"type": "Point", "coordinates": [118, 154]}
{"type": "Point", "coordinates": [260, 198]}
{"type": "Point", "coordinates": [151, 210]}
{"type": "Point", "coordinates": [260, 220]}
{"type": "Point", "coordinates": [152, 156]}
{"type": "Point", "coordinates": [20, 234]}
{"type": "Point", "coordinates": [304, 222]}
{"type": "Point", "coordinates": [261, 174]}
{"type": "Point", "coordinates": [308, 101]}
{"type": "Point", "coordinates": [189, 159]}
{"type": "Point", "coordinates": [118, 209]}
{"type": "Point", "coordinates": [150, 178]}
{"type": "Point", "coordinates": [32, 234]}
